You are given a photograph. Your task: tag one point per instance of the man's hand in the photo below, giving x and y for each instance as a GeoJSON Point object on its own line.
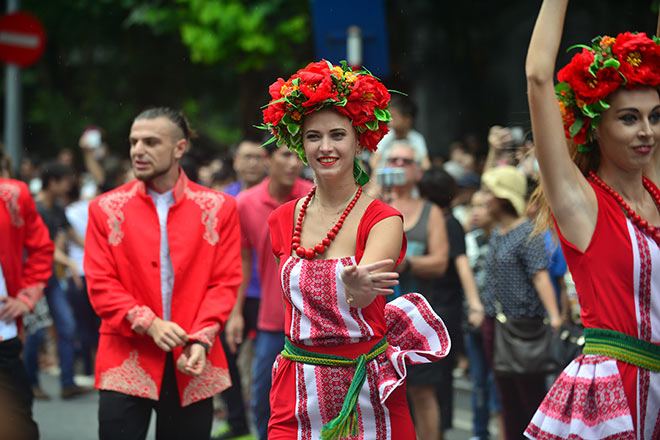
{"type": "Point", "coordinates": [192, 360]}
{"type": "Point", "coordinates": [167, 334]}
{"type": "Point", "coordinates": [11, 308]}
{"type": "Point", "coordinates": [234, 329]}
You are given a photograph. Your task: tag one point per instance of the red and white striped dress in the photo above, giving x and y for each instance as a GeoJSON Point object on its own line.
{"type": "Point", "coordinates": [618, 283]}
{"type": "Point", "coordinates": [305, 397]}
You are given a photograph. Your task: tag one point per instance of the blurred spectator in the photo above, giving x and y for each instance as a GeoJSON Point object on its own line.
{"type": "Point", "coordinates": [65, 157]}
{"type": "Point", "coordinates": [484, 394]}
{"type": "Point", "coordinates": [403, 111]}
{"type": "Point", "coordinates": [206, 171]}
{"type": "Point", "coordinates": [517, 285]}
{"type": "Point", "coordinates": [254, 207]}
{"type": "Point", "coordinates": [249, 166]}
{"type": "Point", "coordinates": [503, 145]}
{"type": "Point", "coordinates": [426, 260]}
{"type": "Point", "coordinates": [467, 183]}
{"type": "Point", "coordinates": [87, 322]}
{"type": "Point", "coordinates": [439, 187]}
{"type": "Point", "coordinates": [56, 180]}
{"type": "Point", "coordinates": [461, 155]}
{"type": "Point", "coordinates": [30, 172]}
{"type": "Point", "coordinates": [223, 178]}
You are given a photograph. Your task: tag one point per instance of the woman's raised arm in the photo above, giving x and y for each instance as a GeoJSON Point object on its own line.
{"type": "Point", "coordinates": [570, 197]}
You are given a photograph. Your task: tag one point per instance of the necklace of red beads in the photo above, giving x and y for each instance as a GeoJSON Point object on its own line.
{"type": "Point", "coordinates": [310, 253]}
{"type": "Point", "coordinates": [641, 224]}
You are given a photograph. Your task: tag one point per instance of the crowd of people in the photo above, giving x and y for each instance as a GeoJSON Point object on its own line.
{"type": "Point", "coordinates": [395, 272]}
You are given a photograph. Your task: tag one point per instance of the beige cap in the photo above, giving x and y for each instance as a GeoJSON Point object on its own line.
{"type": "Point", "coordinates": [506, 182]}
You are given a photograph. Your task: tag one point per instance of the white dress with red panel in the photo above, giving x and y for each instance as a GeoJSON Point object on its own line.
{"type": "Point", "coordinates": [618, 283]}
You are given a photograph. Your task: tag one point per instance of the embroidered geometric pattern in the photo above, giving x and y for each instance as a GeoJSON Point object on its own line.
{"type": "Point", "coordinates": [112, 204]}
{"type": "Point", "coordinates": [129, 378]}
{"type": "Point", "coordinates": [587, 401]}
{"type": "Point", "coordinates": [210, 203]}
{"type": "Point", "coordinates": [140, 318]}
{"type": "Point", "coordinates": [379, 410]}
{"type": "Point", "coordinates": [212, 381]}
{"type": "Point", "coordinates": [319, 295]}
{"type": "Point", "coordinates": [9, 193]}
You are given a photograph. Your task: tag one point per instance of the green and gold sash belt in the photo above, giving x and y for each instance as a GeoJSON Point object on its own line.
{"type": "Point", "coordinates": [346, 423]}
{"type": "Point", "coordinates": [622, 347]}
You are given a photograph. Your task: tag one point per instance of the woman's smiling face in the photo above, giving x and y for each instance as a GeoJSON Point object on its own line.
{"type": "Point", "coordinates": [330, 143]}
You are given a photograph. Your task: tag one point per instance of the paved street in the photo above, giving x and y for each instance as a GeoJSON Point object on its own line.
{"type": "Point", "coordinates": [76, 419]}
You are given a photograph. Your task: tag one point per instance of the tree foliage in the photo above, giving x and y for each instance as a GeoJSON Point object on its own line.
{"type": "Point", "coordinates": [105, 60]}
{"type": "Point", "coordinates": [248, 34]}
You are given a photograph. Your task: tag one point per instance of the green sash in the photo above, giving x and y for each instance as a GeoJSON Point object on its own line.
{"type": "Point", "coordinates": [346, 423]}
{"type": "Point", "coordinates": [622, 347]}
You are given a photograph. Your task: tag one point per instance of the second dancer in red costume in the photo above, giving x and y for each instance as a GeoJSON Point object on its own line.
{"type": "Point", "coordinates": [342, 372]}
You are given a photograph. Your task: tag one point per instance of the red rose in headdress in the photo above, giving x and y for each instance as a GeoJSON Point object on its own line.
{"type": "Point", "coordinates": [586, 87]}
{"type": "Point", "coordinates": [316, 83]}
{"type": "Point", "coordinates": [367, 94]}
{"type": "Point", "coordinates": [369, 138]}
{"type": "Point", "coordinates": [639, 57]}
{"type": "Point", "coordinates": [273, 113]}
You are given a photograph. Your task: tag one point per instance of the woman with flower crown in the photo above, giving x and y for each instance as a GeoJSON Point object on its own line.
{"type": "Point", "coordinates": [342, 372]}
{"type": "Point", "coordinates": [606, 215]}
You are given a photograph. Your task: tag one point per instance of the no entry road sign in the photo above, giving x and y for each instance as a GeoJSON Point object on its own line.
{"type": "Point", "coordinates": [22, 38]}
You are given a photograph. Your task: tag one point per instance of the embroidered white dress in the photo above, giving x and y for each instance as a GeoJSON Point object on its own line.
{"type": "Point", "coordinates": [618, 283]}
{"type": "Point", "coordinates": [304, 397]}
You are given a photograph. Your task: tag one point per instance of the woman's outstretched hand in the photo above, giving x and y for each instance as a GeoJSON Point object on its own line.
{"type": "Point", "coordinates": [361, 284]}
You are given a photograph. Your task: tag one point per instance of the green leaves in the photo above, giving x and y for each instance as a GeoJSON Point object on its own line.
{"type": "Point", "coordinates": [576, 127]}
{"type": "Point", "coordinates": [382, 115]}
{"type": "Point", "coordinates": [249, 35]}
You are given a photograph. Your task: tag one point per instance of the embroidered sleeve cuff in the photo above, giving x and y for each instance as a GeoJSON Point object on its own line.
{"type": "Point", "coordinates": [31, 295]}
{"type": "Point", "coordinates": [206, 335]}
{"type": "Point", "coordinates": [140, 318]}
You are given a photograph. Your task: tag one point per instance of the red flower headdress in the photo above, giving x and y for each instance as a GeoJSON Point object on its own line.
{"type": "Point", "coordinates": [358, 95]}
{"type": "Point", "coordinates": [629, 60]}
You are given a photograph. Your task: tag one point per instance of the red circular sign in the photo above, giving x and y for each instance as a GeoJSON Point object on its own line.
{"type": "Point", "coordinates": [22, 38]}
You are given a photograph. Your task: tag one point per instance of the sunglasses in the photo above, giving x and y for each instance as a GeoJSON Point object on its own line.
{"type": "Point", "coordinates": [404, 160]}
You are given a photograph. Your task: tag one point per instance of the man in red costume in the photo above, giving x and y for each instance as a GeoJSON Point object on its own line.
{"type": "Point", "coordinates": [26, 260]}
{"type": "Point", "coordinates": [163, 263]}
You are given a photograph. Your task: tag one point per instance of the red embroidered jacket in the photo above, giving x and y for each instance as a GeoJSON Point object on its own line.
{"type": "Point", "coordinates": [26, 251]}
{"type": "Point", "coordinates": [122, 266]}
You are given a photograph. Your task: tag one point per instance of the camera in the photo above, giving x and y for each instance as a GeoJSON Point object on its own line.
{"type": "Point", "coordinates": [387, 177]}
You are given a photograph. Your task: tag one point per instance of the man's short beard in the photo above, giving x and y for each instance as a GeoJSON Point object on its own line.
{"type": "Point", "coordinates": [155, 174]}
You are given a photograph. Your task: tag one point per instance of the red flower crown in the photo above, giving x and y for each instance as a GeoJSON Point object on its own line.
{"type": "Point", "coordinates": [629, 60]}
{"type": "Point", "coordinates": [358, 95]}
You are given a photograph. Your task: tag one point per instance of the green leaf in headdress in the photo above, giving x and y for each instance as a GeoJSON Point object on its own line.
{"type": "Point", "coordinates": [382, 115]}
{"type": "Point", "coordinates": [293, 129]}
{"type": "Point", "coordinates": [576, 127]}
{"type": "Point", "coordinates": [612, 63]}
{"type": "Point", "coordinates": [583, 46]}
{"type": "Point", "coordinates": [372, 125]}
{"type": "Point", "coordinates": [590, 110]}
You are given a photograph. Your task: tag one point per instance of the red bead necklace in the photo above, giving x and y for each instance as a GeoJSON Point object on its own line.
{"type": "Point", "coordinates": [321, 247]}
{"type": "Point", "coordinates": [641, 224]}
